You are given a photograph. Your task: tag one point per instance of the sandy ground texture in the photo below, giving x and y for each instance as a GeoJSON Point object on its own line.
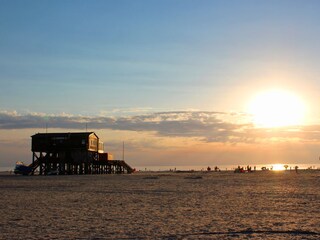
{"type": "Point", "coordinates": [199, 205]}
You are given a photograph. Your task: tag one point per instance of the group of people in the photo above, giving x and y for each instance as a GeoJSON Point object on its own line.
{"type": "Point", "coordinates": [247, 169]}
{"type": "Point", "coordinates": [216, 169]}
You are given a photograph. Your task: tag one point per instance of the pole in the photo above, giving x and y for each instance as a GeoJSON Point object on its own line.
{"type": "Point", "coordinates": [123, 150]}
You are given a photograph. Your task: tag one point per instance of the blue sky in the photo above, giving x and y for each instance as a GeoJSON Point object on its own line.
{"type": "Point", "coordinates": [125, 57]}
{"type": "Point", "coordinates": [147, 53]}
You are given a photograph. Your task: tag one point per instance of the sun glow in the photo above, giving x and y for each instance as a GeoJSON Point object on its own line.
{"type": "Point", "coordinates": [277, 108]}
{"type": "Point", "coordinates": [278, 167]}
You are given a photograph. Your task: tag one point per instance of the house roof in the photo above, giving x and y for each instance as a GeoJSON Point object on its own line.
{"type": "Point", "coordinates": [68, 134]}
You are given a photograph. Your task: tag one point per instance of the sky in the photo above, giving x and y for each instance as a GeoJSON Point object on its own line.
{"type": "Point", "coordinates": [173, 79]}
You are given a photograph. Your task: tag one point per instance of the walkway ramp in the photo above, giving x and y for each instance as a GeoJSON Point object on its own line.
{"type": "Point", "coordinates": [125, 166]}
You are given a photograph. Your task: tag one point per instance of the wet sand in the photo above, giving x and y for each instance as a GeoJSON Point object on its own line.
{"type": "Point", "coordinates": [199, 205]}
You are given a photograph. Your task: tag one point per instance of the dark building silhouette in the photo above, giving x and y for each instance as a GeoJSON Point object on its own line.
{"type": "Point", "coordinates": [73, 153]}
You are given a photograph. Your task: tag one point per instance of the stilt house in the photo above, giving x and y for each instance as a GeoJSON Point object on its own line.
{"type": "Point", "coordinates": [73, 153]}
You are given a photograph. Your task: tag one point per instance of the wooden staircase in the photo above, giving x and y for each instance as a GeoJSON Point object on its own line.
{"type": "Point", "coordinates": [34, 165]}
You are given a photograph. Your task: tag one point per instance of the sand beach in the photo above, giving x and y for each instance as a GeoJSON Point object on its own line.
{"type": "Point", "coordinates": [162, 205]}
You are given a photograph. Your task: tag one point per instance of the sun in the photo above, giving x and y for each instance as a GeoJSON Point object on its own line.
{"type": "Point", "coordinates": [276, 108]}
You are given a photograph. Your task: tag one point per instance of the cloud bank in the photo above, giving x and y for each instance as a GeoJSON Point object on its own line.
{"type": "Point", "coordinates": [207, 126]}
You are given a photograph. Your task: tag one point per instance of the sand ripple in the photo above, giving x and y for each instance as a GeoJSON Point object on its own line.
{"type": "Point", "coordinates": [261, 205]}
